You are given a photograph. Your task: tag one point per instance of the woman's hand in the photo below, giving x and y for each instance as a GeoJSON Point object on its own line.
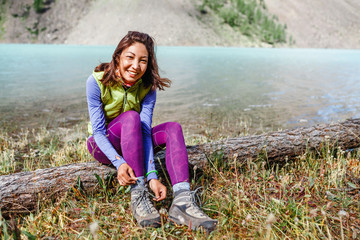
{"type": "Point", "coordinates": [126, 175]}
{"type": "Point", "coordinates": [158, 188]}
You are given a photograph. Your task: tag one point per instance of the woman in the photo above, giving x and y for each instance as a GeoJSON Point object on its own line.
{"type": "Point", "coordinates": [121, 96]}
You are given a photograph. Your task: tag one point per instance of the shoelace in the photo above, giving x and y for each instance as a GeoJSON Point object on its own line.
{"type": "Point", "coordinates": [196, 202]}
{"type": "Point", "coordinates": [195, 197]}
{"type": "Point", "coordinates": [144, 197]}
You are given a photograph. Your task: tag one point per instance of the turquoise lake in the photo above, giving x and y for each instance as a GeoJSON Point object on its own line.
{"type": "Point", "coordinates": [267, 88]}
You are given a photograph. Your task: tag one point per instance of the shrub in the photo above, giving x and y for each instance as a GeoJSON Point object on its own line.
{"type": "Point", "coordinates": [249, 17]}
{"type": "Point", "coordinates": [38, 6]}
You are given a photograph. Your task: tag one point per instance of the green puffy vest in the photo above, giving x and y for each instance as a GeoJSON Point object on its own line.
{"type": "Point", "coordinates": [116, 100]}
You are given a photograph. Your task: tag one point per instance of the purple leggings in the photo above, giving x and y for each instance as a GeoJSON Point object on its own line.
{"type": "Point", "coordinates": [124, 133]}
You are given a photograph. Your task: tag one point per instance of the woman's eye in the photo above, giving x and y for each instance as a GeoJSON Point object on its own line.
{"type": "Point", "coordinates": [143, 61]}
{"type": "Point", "coordinates": [129, 57]}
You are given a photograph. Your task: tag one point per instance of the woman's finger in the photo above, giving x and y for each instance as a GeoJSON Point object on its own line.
{"type": "Point", "coordinates": [162, 194]}
{"type": "Point", "coordinates": [131, 173]}
{"type": "Point", "coordinates": [157, 194]}
{"type": "Point", "coordinates": [125, 180]}
{"type": "Point", "coordinates": [121, 174]}
{"type": "Point", "coordinates": [121, 182]}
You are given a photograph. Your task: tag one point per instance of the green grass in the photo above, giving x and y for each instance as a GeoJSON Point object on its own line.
{"type": "Point", "coordinates": [314, 197]}
{"type": "Point", "coordinates": [38, 6]}
{"type": "Point", "coordinates": [28, 150]}
{"type": "Point", "coordinates": [250, 17]}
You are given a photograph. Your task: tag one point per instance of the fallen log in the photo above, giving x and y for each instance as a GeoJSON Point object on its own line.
{"type": "Point", "coordinates": [282, 145]}
{"type": "Point", "coordinates": [21, 192]}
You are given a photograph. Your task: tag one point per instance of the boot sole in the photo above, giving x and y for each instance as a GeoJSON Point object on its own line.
{"type": "Point", "coordinates": [175, 221]}
{"type": "Point", "coordinates": [150, 223]}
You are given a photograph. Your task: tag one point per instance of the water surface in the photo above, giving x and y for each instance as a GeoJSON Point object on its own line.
{"type": "Point", "coordinates": [266, 88]}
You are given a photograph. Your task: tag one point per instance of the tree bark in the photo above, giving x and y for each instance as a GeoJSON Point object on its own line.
{"type": "Point", "coordinates": [282, 145]}
{"type": "Point", "coordinates": [21, 192]}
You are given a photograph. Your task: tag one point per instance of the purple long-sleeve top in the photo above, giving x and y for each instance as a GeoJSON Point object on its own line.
{"type": "Point", "coordinates": [97, 119]}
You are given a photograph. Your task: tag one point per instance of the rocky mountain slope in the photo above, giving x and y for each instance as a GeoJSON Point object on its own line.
{"type": "Point", "coordinates": [319, 23]}
{"type": "Point", "coordinates": [54, 21]}
{"type": "Point", "coordinates": [174, 22]}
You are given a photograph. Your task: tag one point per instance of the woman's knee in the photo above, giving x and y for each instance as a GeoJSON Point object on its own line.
{"type": "Point", "coordinates": [173, 127]}
{"type": "Point", "coordinates": [128, 120]}
{"type": "Point", "coordinates": [131, 114]}
{"type": "Point", "coordinates": [132, 118]}
{"type": "Point", "coordinates": [165, 132]}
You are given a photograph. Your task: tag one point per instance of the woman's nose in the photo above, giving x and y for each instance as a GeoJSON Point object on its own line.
{"type": "Point", "coordinates": [136, 65]}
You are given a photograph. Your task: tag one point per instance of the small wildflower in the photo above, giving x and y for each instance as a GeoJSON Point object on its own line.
{"type": "Point", "coordinates": [248, 217]}
{"type": "Point", "coordinates": [270, 220]}
{"type": "Point", "coordinates": [94, 227]}
{"type": "Point", "coordinates": [162, 211]}
{"type": "Point", "coordinates": [313, 213]}
{"type": "Point", "coordinates": [342, 213]}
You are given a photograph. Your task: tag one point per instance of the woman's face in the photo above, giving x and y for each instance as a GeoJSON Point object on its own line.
{"type": "Point", "coordinates": [133, 62]}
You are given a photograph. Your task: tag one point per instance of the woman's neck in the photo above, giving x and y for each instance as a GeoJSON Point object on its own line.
{"type": "Point", "coordinates": [123, 81]}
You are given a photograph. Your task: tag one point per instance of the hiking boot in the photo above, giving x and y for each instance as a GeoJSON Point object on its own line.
{"type": "Point", "coordinates": [185, 211]}
{"type": "Point", "coordinates": [143, 209]}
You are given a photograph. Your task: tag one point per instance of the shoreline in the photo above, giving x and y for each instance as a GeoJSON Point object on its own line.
{"type": "Point", "coordinates": [189, 46]}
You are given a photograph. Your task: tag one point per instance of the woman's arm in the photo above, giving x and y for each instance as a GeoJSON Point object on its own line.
{"type": "Point", "coordinates": [97, 119]}
{"type": "Point", "coordinates": [147, 108]}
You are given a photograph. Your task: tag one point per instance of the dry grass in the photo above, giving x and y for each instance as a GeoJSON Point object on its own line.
{"type": "Point", "coordinates": [42, 148]}
{"type": "Point", "coordinates": [314, 197]}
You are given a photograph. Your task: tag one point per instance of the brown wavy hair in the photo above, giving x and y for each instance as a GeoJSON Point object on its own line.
{"type": "Point", "coordinates": [151, 76]}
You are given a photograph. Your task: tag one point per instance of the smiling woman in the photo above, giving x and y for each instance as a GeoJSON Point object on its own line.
{"type": "Point", "coordinates": [133, 64]}
{"type": "Point", "coordinates": [121, 96]}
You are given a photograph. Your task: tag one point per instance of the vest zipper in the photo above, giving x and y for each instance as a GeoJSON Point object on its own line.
{"type": "Point", "coordinates": [125, 99]}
